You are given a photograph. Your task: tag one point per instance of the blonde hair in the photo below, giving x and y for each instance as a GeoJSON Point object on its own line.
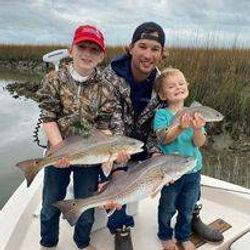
{"type": "Point", "coordinates": [159, 82]}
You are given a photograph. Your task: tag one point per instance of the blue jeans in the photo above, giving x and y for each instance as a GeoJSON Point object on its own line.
{"type": "Point", "coordinates": [181, 196]}
{"type": "Point", "coordinates": [56, 181]}
{"type": "Point", "coordinates": [119, 219]}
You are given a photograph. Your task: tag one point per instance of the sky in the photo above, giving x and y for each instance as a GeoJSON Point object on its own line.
{"type": "Point", "coordinates": [186, 22]}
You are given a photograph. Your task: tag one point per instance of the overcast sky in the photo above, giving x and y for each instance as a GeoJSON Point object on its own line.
{"type": "Point", "coordinates": [186, 22]}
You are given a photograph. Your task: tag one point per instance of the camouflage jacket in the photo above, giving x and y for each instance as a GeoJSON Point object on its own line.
{"type": "Point", "coordinates": [123, 121]}
{"type": "Point", "coordinates": [75, 106]}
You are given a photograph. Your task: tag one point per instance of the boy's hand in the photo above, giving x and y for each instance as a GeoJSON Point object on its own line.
{"type": "Point", "coordinates": [198, 121]}
{"type": "Point", "coordinates": [62, 163]}
{"type": "Point", "coordinates": [106, 132]}
{"type": "Point", "coordinates": [112, 205]}
{"type": "Point", "coordinates": [185, 121]}
{"type": "Point", "coordinates": [122, 157]}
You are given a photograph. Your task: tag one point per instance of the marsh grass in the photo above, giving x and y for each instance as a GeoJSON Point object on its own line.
{"type": "Point", "coordinates": [219, 78]}
{"type": "Point", "coordinates": [17, 53]}
{"type": "Point", "coordinates": [230, 166]}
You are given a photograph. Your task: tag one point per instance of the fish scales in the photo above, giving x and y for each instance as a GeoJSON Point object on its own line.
{"type": "Point", "coordinates": [145, 178]}
{"type": "Point", "coordinates": [83, 152]}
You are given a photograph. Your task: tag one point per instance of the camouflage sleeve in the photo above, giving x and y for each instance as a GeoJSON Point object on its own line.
{"type": "Point", "coordinates": [152, 143]}
{"type": "Point", "coordinates": [117, 121]}
{"type": "Point", "coordinates": [106, 106]}
{"type": "Point", "coordinates": [49, 99]}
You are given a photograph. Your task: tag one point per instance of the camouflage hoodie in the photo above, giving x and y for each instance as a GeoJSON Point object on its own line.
{"type": "Point", "coordinates": [75, 106]}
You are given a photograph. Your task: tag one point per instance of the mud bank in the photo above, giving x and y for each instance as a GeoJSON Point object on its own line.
{"type": "Point", "coordinates": [38, 67]}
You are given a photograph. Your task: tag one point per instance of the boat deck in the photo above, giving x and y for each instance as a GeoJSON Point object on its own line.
{"type": "Point", "coordinates": [230, 206]}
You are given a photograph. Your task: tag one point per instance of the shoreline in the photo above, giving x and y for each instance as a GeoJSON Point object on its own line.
{"type": "Point", "coordinates": [23, 66]}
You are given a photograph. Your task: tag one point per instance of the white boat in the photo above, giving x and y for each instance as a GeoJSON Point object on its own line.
{"type": "Point", "coordinates": [19, 219]}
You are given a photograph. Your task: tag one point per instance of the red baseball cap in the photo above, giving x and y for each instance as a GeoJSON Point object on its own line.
{"type": "Point", "coordinates": [89, 33]}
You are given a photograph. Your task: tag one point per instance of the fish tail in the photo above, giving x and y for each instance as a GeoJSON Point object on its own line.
{"type": "Point", "coordinates": [71, 212]}
{"type": "Point", "coordinates": [30, 169]}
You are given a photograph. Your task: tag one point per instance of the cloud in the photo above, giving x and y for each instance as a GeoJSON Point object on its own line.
{"type": "Point", "coordinates": [52, 21]}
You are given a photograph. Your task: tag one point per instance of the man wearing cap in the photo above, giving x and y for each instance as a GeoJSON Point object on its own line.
{"type": "Point", "coordinates": [73, 100]}
{"type": "Point", "coordinates": [132, 76]}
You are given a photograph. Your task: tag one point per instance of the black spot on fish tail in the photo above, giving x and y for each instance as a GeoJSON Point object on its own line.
{"type": "Point", "coordinates": [30, 169]}
{"type": "Point", "coordinates": [69, 210]}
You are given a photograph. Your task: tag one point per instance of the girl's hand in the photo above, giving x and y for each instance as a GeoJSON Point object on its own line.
{"type": "Point", "coordinates": [198, 121]}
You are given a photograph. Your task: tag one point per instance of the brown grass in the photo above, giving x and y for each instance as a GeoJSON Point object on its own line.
{"type": "Point", "coordinates": [219, 78]}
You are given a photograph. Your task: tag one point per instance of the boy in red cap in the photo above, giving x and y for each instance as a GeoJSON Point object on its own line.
{"type": "Point", "coordinates": [74, 100]}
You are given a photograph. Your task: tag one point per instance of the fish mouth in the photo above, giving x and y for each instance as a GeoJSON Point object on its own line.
{"type": "Point", "coordinates": [216, 119]}
{"type": "Point", "coordinates": [137, 150]}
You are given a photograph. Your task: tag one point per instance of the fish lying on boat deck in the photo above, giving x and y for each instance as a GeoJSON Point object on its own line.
{"type": "Point", "coordinates": [144, 179]}
{"type": "Point", "coordinates": [85, 151]}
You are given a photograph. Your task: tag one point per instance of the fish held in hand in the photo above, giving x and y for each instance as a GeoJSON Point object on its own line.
{"type": "Point", "coordinates": [209, 114]}
{"type": "Point", "coordinates": [83, 152]}
{"type": "Point", "coordinates": [145, 179]}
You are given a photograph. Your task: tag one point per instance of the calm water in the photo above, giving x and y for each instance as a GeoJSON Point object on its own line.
{"type": "Point", "coordinates": [18, 118]}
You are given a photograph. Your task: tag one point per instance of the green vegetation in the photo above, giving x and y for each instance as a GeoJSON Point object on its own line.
{"type": "Point", "coordinates": [16, 53]}
{"type": "Point", "coordinates": [219, 78]}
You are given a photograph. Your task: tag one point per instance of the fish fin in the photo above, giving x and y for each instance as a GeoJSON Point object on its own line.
{"type": "Point", "coordinates": [107, 167]}
{"type": "Point", "coordinates": [69, 210]}
{"type": "Point", "coordinates": [104, 187]}
{"type": "Point", "coordinates": [97, 133]}
{"type": "Point", "coordinates": [156, 190]}
{"type": "Point", "coordinates": [195, 104]}
{"type": "Point", "coordinates": [109, 213]}
{"type": "Point", "coordinates": [164, 181]}
{"type": "Point", "coordinates": [30, 169]}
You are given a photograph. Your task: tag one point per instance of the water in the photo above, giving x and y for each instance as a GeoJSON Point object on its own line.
{"type": "Point", "coordinates": [18, 118]}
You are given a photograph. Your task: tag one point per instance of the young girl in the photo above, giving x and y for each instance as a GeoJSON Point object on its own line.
{"type": "Point", "coordinates": [183, 139]}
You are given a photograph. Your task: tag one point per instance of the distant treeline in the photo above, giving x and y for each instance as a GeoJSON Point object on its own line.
{"type": "Point", "coordinates": [219, 78]}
